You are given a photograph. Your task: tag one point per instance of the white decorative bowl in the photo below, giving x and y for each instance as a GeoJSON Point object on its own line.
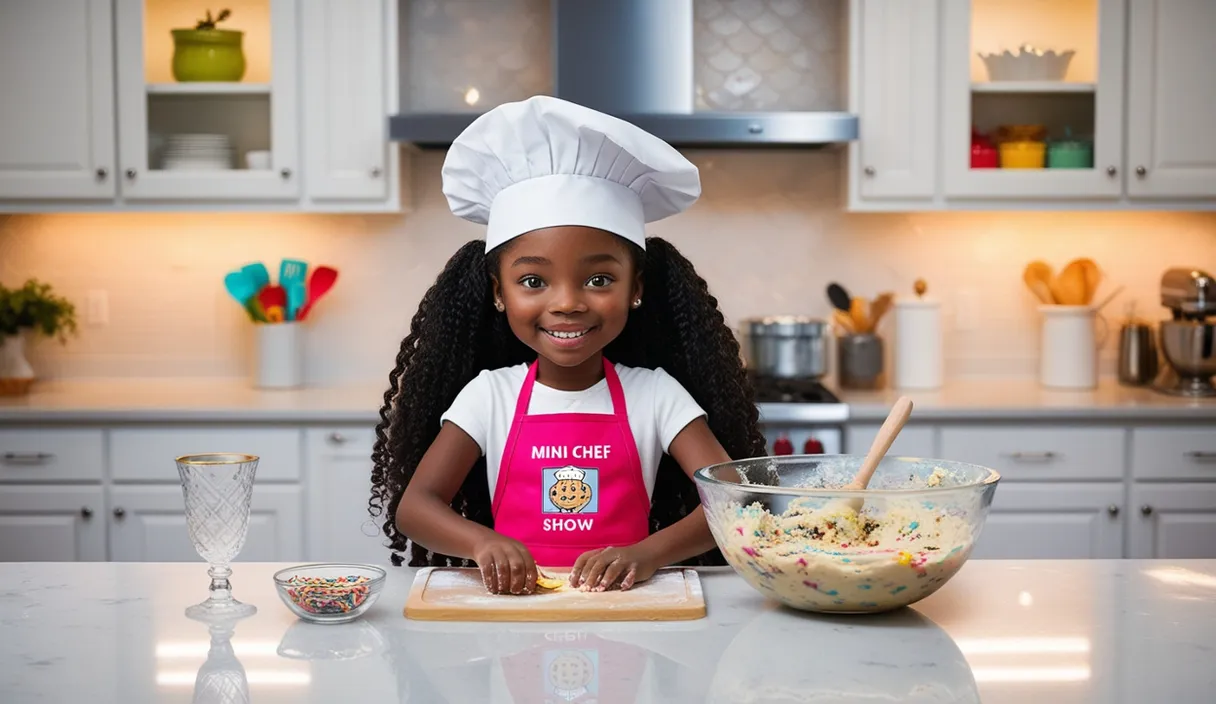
{"type": "Point", "coordinates": [1029, 64]}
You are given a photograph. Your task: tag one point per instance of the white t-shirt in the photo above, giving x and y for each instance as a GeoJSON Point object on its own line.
{"type": "Point", "coordinates": [658, 406]}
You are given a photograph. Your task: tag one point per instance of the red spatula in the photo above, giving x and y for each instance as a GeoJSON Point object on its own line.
{"type": "Point", "coordinates": [271, 296]}
{"type": "Point", "coordinates": [319, 282]}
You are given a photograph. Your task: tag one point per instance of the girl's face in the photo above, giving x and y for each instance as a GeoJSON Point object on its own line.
{"type": "Point", "coordinates": [567, 290]}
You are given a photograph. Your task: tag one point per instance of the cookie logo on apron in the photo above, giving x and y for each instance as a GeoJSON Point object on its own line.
{"type": "Point", "coordinates": [570, 489]}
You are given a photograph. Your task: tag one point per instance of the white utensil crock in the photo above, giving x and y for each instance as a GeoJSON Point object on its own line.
{"type": "Point", "coordinates": [1068, 348]}
{"type": "Point", "coordinates": [278, 352]}
{"type": "Point", "coordinates": [918, 344]}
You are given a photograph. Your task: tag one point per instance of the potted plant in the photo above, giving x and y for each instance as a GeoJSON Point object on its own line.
{"type": "Point", "coordinates": [34, 307]}
{"type": "Point", "coordinates": [206, 53]}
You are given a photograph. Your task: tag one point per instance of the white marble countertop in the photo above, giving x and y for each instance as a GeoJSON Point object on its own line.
{"type": "Point", "coordinates": [234, 400]}
{"type": "Point", "coordinates": [1039, 631]}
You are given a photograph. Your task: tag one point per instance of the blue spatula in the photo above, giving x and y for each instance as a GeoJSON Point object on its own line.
{"type": "Point", "coordinates": [292, 277]}
{"type": "Point", "coordinates": [242, 287]}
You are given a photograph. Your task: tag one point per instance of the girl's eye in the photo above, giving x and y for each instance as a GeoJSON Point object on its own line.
{"type": "Point", "coordinates": [599, 281]}
{"type": "Point", "coordinates": [531, 282]}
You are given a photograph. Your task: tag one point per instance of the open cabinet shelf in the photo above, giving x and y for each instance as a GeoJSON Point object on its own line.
{"type": "Point", "coordinates": [203, 88]}
{"type": "Point", "coordinates": [1032, 87]}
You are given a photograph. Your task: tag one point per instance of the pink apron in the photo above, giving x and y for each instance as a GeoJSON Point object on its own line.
{"type": "Point", "coordinates": [571, 482]}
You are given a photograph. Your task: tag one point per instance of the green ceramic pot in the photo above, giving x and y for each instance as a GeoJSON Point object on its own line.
{"type": "Point", "coordinates": [1070, 154]}
{"type": "Point", "coordinates": [208, 55]}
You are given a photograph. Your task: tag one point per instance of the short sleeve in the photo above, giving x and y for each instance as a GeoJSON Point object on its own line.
{"type": "Point", "coordinates": [469, 410]}
{"type": "Point", "coordinates": [674, 407]}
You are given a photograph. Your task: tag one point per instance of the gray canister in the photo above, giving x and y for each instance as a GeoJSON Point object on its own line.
{"type": "Point", "coordinates": [860, 359]}
{"type": "Point", "coordinates": [1137, 354]}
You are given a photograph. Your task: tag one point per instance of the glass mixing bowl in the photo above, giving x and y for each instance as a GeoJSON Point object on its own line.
{"type": "Point", "coordinates": [787, 528]}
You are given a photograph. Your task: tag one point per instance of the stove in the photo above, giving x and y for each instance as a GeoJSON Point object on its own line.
{"type": "Point", "coordinates": [800, 416]}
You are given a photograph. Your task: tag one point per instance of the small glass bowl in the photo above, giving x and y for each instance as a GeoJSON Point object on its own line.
{"type": "Point", "coordinates": [330, 592]}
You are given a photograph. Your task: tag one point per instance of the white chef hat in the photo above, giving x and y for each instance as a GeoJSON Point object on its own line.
{"type": "Point", "coordinates": [546, 162]}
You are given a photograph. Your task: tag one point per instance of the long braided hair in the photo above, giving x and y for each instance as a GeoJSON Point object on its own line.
{"type": "Point", "coordinates": [456, 333]}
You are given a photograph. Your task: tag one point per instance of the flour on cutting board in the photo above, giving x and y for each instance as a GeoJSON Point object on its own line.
{"type": "Point", "coordinates": [465, 588]}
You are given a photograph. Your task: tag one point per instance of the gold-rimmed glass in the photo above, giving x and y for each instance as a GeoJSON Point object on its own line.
{"type": "Point", "coordinates": [218, 488]}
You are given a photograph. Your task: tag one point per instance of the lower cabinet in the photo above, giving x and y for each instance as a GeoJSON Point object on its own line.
{"type": "Point", "coordinates": [1176, 521]}
{"type": "Point", "coordinates": [340, 527]}
{"type": "Point", "coordinates": [41, 523]}
{"type": "Point", "coordinates": [148, 524]}
{"type": "Point", "coordinates": [1053, 521]}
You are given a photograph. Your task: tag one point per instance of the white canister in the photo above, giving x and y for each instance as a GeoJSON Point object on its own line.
{"type": "Point", "coordinates": [278, 352]}
{"type": "Point", "coordinates": [919, 355]}
{"type": "Point", "coordinates": [1068, 348]}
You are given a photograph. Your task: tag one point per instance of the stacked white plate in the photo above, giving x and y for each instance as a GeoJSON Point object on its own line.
{"type": "Point", "coordinates": [197, 152]}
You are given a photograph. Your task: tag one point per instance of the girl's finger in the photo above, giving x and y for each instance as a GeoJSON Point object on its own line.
{"type": "Point", "coordinates": [580, 566]}
{"type": "Point", "coordinates": [530, 573]}
{"type": "Point", "coordinates": [595, 571]}
{"type": "Point", "coordinates": [503, 569]}
{"type": "Point", "coordinates": [629, 578]}
{"type": "Point", "coordinates": [487, 575]}
{"type": "Point", "coordinates": [612, 574]}
{"type": "Point", "coordinates": [518, 573]}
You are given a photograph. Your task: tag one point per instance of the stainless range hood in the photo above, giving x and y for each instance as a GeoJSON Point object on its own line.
{"type": "Point", "coordinates": [634, 59]}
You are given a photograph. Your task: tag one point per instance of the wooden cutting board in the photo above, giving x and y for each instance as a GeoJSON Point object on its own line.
{"type": "Point", "coordinates": [457, 594]}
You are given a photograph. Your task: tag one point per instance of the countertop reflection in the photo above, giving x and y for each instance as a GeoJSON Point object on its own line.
{"type": "Point", "coordinates": [1000, 631]}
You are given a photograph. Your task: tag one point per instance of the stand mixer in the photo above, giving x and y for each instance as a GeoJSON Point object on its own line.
{"type": "Point", "coordinates": [1188, 339]}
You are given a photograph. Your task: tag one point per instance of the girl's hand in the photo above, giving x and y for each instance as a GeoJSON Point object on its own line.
{"type": "Point", "coordinates": [506, 565]}
{"type": "Point", "coordinates": [601, 569]}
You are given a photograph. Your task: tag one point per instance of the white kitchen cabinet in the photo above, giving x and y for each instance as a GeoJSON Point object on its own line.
{"type": "Point", "coordinates": [36, 455]}
{"type": "Point", "coordinates": [1089, 101]}
{"type": "Point", "coordinates": [340, 529]}
{"type": "Point", "coordinates": [1038, 452]}
{"type": "Point", "coordinates": [147, 454]}
{"type": "Point", "coordinates": [1180, 453]}
{"type": "Point", "coordinates": [893, 89]}
{"type": "Point", "coordinates": [1054, 521]}
{"type": "Point", "coordinates": [348, 96]}
{"type": "Point", "coordinates": [258, 114]}
{"type": "Point", "coordinates": [1172, 521]}
{"type": "Point", "coordinates": [148, 524]}
{"type": "Point", "coordinates": [56, 100]}
{"type": "Point", "coordinates": [1171, 99]}
{"type": "Point", "coordinates": [52, 523]}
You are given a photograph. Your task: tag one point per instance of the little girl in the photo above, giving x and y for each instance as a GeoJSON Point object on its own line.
{"type": "Point", "coordinates": [563, 379]}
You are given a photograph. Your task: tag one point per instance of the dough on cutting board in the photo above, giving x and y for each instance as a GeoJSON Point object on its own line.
{"type": "Point", "coordinates": [551, 583]}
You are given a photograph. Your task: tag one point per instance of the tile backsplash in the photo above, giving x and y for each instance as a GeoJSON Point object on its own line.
{"type": "Point", "coordinates": [768, 235]}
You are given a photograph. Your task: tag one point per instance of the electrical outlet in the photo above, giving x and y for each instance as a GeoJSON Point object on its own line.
{"type": "Point", "coordinates": [966, 309]}
{"type": "Point", "coordinates": [97, 307]}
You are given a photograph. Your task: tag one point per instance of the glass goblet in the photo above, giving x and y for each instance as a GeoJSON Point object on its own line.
{"type": "Point", "coordinates": [218, 488]}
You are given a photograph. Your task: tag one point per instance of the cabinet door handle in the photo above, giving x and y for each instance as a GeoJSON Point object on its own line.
{"type": "Point", "coordinates": [1146, 510]}
{"type": "Point", "coordinates": [131, 174]}
{"type": "Point", "coordinates": [1111, 171]}
{"type": "Point", "coordinates": [120, 512]}
{"type": "Point", "coordinates": [27, 457]}
{"type": "Point", "coordinates": [376, 172]}
{"type": "Point", "coordinates": [101, 174]}
{"type": "Point", "coordinates": [285, 173]}
{"type": "Point", "coordinates": [337, 439]}
{"type": "Point", "coordinates": [1113, 510]}
{"type": "Point", "coordinates": [86, 512]}
{"type": "Point", "coordinates": [1201, 456]}
{"type": "Point", "coordinates": [1031, 456]}
{"type": "Point", "coordinates": [1141, 171]}
{"type": "Point", "coordinates": [869, 171]}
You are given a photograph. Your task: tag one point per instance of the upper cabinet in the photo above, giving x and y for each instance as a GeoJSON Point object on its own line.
{"type": "Point", "coordinates": [1172, 99]}
{"type": "Point", "coordinates": [57, 110]}
{"type": "Point", "coordinates": [1033, 104]}
{"type": "Point", "coordinates": [166, 104]}
{"type": "Point", "coordinates": [208, 114]}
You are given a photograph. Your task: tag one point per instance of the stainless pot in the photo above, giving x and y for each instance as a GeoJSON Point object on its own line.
{"type": "Point", "coordinates": [788, 347]}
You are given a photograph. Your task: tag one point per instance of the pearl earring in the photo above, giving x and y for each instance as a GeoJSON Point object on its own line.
{"type": "Point", "coordinates": [499, 306]}
{"type": "Point", "coordinates": [637, 303]}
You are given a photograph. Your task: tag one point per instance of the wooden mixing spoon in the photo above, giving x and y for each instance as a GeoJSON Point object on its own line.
{"type": "Point", "coordinates": [900, 412]}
